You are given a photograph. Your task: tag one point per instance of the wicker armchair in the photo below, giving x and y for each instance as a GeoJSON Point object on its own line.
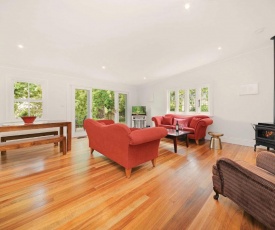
{"type": "Point", "coordinates": [251, 187]}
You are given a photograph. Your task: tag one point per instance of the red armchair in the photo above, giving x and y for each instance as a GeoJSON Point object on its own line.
{"type": "Point", "coordinates": [197, 124]}
{"type": "Point", "coordinates": [126, 147]}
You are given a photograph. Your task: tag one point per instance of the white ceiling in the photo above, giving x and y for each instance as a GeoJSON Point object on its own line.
{"type": "Point", "coordinates": [134, 39]}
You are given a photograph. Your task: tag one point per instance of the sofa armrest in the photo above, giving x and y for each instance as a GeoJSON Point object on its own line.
{"type": "Point", "coordinates": [105, 121]}
{"type": "Point", "coordinates": [235, 171]}
{"type": "Point", "coordinates": [200, 130]}
{"type": "Point", "coordinates": [217, 186]}
{"type": "Point", "coordinates": [205, 121]}
{"type": "Point", "coordinates": [146, 135]}
{"type": "Point", "coordinates": [266, 160]}
{"type": "Point", "coordinates": [157, 120]}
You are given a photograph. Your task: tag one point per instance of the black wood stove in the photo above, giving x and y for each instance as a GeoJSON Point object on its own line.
{"type": "Point", "coordinates": [265, 135]}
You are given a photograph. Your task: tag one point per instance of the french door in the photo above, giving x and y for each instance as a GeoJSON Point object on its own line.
{"type": "Point", "coordinates": [98, 104]}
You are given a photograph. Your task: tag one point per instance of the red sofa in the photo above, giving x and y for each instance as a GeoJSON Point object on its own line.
{"type": "Point", "coordinates": [197, 124]}
{"type": "Point", "coordinates": [127, 147]}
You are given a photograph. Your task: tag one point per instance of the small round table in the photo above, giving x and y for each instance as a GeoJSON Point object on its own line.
{"type": "Point", "coordinates": [215, 142]}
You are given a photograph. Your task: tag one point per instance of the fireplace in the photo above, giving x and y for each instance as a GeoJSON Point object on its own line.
{"type": "Point", "coordinates": [265, 135]}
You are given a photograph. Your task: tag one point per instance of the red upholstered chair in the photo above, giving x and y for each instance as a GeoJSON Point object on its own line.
{"type": "Point", "coordinates": [126, 147]}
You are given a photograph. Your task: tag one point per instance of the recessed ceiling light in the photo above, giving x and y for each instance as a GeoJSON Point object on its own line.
{"type": "Point", "coordinates": [103, 67]}
{"type": "Point", "coordinates": [187, 6]}
{"type": "Point", "coordinates": [20, 46]}
{"type": "Point", "coordinates": [144, 78]}
{"type": "Point", "coordinates": [219, 48]}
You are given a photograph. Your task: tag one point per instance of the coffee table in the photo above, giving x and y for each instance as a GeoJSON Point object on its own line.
{"type": "Point", "coordinates": [174, 135]}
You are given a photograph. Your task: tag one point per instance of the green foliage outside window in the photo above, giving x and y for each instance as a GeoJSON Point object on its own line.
{"type": "Point", "coordinates": [122, 107]}
{"type": "Point", "coordinates": [27, 99]}
{"type": "Point", "coordinates": [204, 99]}
{"type": "Point", "coordinates": [192, 100]}
{"type": "Point", "coordinates": [103, 104]}
{"type": "Point", "coordinates": [81, 103]}
{"type": "Point", "coordinates": [181, 100]}
{"type": "Point", "coordinates": [172, 101]}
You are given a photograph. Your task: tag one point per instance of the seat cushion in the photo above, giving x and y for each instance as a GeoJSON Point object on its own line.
{"type": "Point", "coordinates": [167, 126]}
{"type": "Point", "coordinates": [167, 120]}
{"type": "Point", "coordinates": [182, 122]}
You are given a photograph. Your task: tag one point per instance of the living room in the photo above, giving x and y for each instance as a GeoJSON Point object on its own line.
{"type": "Point", "coordinates": [246, 58]}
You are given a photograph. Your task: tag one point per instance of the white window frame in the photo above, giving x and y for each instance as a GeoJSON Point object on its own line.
{"type": "Point", "coordinates": [10, 100]}
{"type": "Point", "coordinates": [168, 100]}
{"type": "Point", "coordinates": [186, 100]}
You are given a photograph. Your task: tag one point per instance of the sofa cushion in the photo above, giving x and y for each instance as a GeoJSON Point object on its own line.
{"type": "Point", "coordinates": [167, 120]}
{"type": "Point", "coordinates": [167, 126]}
{"type": "Point", "coordinates": [182, 122]}
{"type": "Point", "coordinates": [194, 122]}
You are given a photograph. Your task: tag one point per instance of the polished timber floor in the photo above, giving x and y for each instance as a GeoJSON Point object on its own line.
{"type": "Point", "coordinates": [42, 189]}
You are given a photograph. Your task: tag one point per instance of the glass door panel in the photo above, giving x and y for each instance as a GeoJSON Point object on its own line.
{"type": "Point", "coordinates": [122, 105]}
{"type": "Point", "coordinates": [81, 108]}
{"type": "Point", "coordinates": [103, 105]}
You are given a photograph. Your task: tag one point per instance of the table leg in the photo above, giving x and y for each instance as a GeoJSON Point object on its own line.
{"type": "Point", "coordinates": [187, 141]}
{"type": "Point", "coordinates": [69, 136]}
{"type": "Point", "coordinates": [3, 139]}
{"type": "Point", "coordinates": [61, 133]}
{"type": "Point", "coordinates": [175, 144]}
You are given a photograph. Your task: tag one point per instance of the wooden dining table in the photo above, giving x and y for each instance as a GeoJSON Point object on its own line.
{"type": "Point", "coordinates": [20, 126]}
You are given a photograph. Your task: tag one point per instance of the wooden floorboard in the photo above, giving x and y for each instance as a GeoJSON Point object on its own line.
{"type": "Point", "coordinates": [42, 189]}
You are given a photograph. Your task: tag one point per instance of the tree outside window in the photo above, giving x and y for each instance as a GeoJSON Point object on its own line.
{"type": "Point", "coordinates": [103, 104]}
{"type": "Point", "coordinates": [81, 107]}
{"type": "Point", "coordinates": [122, 98]}
{"type": "Point", "coordinates": [192, 100]}
{"type": "Point", "coordinates": [27, 99]}
{"type": "Point", "coordinates": [204, 99]}
{"type": "Point", "coordinates": [181, 100]}
{"type": "Point", "coordinates": [172, 101]}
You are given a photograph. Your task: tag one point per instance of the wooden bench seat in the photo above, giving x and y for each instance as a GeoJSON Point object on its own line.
{"type": "Point", "coordinates": [29, 135]}
{"type": "Point", "coordinates": [4, 146]}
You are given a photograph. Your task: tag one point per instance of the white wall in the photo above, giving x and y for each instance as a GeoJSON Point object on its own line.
{"type": "Point", "coordinates": [59, 87]}
{"type": "Point", "coordinates": [232, 113]}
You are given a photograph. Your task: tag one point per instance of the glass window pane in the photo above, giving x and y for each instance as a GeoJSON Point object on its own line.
{"type": "Point", "coordinates": [21, 109]}
{"type": "Point", "coordinates": [20, 90]}
{"type": "Point", "coordinates": [35, 91]}
{"type": "Point", "coordinates": [181, 100]}
{"type": "Point", "coordinates": [122, 107]}
{"type": "Point", "coordinates": [103, 104]}
{"type": "Point", "coordinates": [172, 101]}
{"type": "Point", "coordinates": [81, 108]}
{"type": "Point", "coordinates": [192, 100]}
{"type": "Point", "coordinates": [36, 109]}
{"type": "Point", "coordinates": [204, 100]}
{"type": "Point", "coordinates": [24, 94]}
